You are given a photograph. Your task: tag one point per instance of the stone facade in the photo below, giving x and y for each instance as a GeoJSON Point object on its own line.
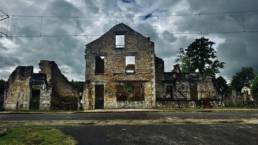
{"type": "Point", "coordinates": [115, 78]}
{"type": "Point", "coordinates": [64, 95]}
{"type": "Point", "coordinates": [61, 86]}
{"type": "Point", "coordinates": [159, 76]}
{"type": "Point", "coordinates": [21, 87]}
{"type": "Point", "coordinates": [39, 83]}
{"type": "Point", "coordinates": [18, 89]}
{"type": "Point", "coordinates": [122, 71]}
{"type": "Point", "coordinates": [182, 88]}
{"type": "Point", "coordinates": [37, 91]}
{"type": "Point", "coordinates": [107, 77]}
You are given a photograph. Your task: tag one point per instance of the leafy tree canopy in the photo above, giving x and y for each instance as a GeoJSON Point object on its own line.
{"type": "Point", "coordinates": [200, 56]}
{"type": "Point", "coordinates": [243, 78]}
{"type": "Point", "coordinates": [221, 85]}
{"type": "Point", "coordinates": [254, 87]}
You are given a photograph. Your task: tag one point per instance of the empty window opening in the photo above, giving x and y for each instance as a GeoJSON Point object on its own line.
{"type": "Point", "coordinates": [130, 64]}
{"type": "Point", "coordinates": [120, 41]}
{"type": "Point", "coordinates": [130, 91]}
{"type": "Point", "coordinates": [99, 64]}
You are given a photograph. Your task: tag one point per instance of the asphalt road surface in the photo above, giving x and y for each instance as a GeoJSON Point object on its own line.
{"type": "Point", "coordinates": [159, 134]}
{"type": "Point", "coordinates": [165, 134]}
{"type": "Point", "coordinates": [129, 115]}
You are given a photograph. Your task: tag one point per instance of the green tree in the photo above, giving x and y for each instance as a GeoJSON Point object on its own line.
{"type": "Point", "coordinates": [200, 55]}
{"type": "Point", "coordinates": [221, 86]}
{"type": "Point", "coordinates": [184, 61]}
{"type": "Point", "coordinates": [243, 78]}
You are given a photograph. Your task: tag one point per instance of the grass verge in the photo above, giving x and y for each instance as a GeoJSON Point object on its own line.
{"type": "Point", "coordinates": [35, 136]}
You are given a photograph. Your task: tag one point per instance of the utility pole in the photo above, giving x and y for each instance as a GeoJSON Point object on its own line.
{"type": "Point", "coordinates": [3, 16]}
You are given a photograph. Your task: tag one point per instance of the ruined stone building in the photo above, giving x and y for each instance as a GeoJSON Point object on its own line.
{"type": "Point", "coordinates": [122, 71]}
{"type": "Point", "coordinates": [63, 93]}
{"type": "Point", "coordinates": [184, 88]}
{"type": "Point", "coordinates": [38, 91]}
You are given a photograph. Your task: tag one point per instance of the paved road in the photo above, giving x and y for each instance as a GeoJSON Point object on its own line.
{"type": "Point", "coordinates": [129, 115]}
{"type": "Point", "coordinates": [165, 134]}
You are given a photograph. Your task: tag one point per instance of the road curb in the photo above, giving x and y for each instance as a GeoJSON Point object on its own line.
{"type": "Point", "coordinates": [132, 110]}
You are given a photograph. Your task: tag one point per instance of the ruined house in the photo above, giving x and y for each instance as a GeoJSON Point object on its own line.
{"type": "Point", "coordinates": [26, 90]}
{"type": "Point", "coordinates": [64, 95]}
{"type": "Point", "coordinates": [186, 89]}
{"type": "Point", "coordinates": [122, 71]}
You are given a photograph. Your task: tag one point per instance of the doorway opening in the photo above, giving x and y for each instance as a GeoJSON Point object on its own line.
{"type": "Point", "coordinates": [99, 96]}
{"type": "Point", "coordinates": [34, 100]}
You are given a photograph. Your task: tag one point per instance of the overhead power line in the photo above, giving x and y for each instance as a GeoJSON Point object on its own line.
{"type": "Point", "coordinates": [150, 15]}
{"type": "Point", "coordinates": [145, 34]}
{"type": "Point", "coordinates": [42, 17]}
{"type": "Point", "coordinates": [3, 17]}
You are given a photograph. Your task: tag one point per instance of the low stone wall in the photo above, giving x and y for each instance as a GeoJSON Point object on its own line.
{"type": "Point", "coordinates": [130, 104]}
{"type": "Point", "coordinates": [175, 104]}
{"type": "Point", "coordinates": [188, 104]}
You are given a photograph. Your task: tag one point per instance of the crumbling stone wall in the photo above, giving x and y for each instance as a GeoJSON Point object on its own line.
{"type": "Point", "coordinates": [50, 83]}
{"type": "Point", "coordinates": [64, 95]}
{"type": "Point", "coordinates": [39, 82]}
{"type": "Point", "coordinates": [159, 77]}
{"type": "Point", "coordinates": [182, 90]}
{"type": "Point", "coordinates": [61, 86]}
{"type": "Point", "coordinates": [18, 93]}
{"type": "Point", "coordinates": [135, 44]}
{"type": "Point", "coordinates": [45, 98]}
{"type": "Point", "coordinates": [187, 87]}
{"type": "Point", "coordinates": [18, 89]}
{"type": "Point", "coordinates": [206, 88]}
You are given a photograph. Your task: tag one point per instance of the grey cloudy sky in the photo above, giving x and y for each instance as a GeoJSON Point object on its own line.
{"type": "Point", "coordinates": [62, 19]}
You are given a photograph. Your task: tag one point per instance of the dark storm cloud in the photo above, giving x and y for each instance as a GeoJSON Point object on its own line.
{"type": "Point", "coordinates": [238, 49]}
{"type": "Point", "coordinates": [8, 61]}
{"type": "Point", "coordinates": [128, 1]}
{"type": "Point", "coordinates": [147, 16]}
{"type": "Point", "coordinates": [31, 50]}
{"type": "Point", "coordinates": [97, 16]}
{"type": "Point", "coordinates": [169, 36]}
{"type": "Point", "coordinates": [62, 8]}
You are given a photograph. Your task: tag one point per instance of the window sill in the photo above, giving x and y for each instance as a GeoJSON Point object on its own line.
{"type": "Point", "coordinates": [99, 74]}
{"type": "Point", "coordinates": [130, 73]}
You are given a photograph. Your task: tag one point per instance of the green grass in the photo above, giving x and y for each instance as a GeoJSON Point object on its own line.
{"type": "Point", "coordinates": [35, 136]}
